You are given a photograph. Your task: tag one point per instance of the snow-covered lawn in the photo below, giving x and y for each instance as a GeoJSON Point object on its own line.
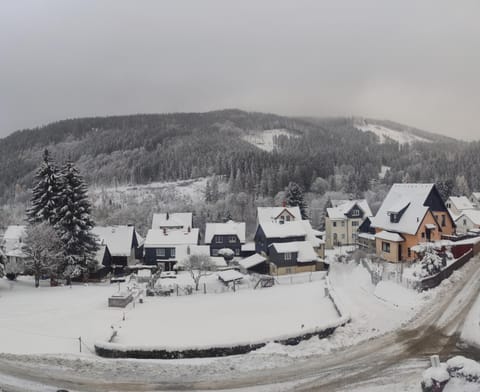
{"type": "Point", "coordinates": [51, 319]}
{"type": "Point", "coordinates": [265, 140]}
{"type": "Point", "coordinates": [247, 316]}
{"type": "Point", "coordinates": [384, 133]}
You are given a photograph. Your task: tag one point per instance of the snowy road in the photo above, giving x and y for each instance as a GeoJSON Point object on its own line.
{"type": "Point", "coordinates": [395, 359]}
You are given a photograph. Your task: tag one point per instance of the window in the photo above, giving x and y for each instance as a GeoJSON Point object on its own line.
{"type": "Point", "coordinates": [464, 222]}
{"type": "Point", "coordinates": [288, 256]}
{"type": "Point", "coordinates": [386, 247]}
{"type": "Point", "coordinates": [343, 223]}
{"type": "Point", "coordinates": [288, 218]}
{"type": "Point", "coordinates": [232, 239]}
{"type": "Point", "coordinates": [354, 223]}
{"type": "Point", "coordinates": [160, 252]}
{"type": "Point", "coordinates": [237, 252]}
{"type": "Point", "coordinates": [334, 224]}
{"type": "Point", "coordinates": [172, 252]}
{"type": "Point", "coordinates": [219, 239]}
{"type": "Point", "coordinates": [444, 223]}
{"type": "Point", "coordinates": [423, 234]}
{"type": "Point", "coordinates": [356, 213]}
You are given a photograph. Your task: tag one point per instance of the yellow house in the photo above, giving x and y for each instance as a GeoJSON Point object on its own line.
{"type": "Point", "coordinates": [410, 214]}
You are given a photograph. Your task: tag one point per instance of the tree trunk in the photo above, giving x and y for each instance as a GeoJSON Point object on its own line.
{"type": "Point", "coordinates": [37, 279]}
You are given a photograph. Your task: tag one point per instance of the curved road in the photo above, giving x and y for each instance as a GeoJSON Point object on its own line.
{"type": "Point", "coordinates": [399, 354]}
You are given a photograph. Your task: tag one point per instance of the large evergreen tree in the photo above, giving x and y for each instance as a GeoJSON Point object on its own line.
{"type": "Point", "coordinates": [74, 223]}
{"type": "Point", "coordinates": [294, 197]}
{"type": "Point", "coordinates": [46, 193]}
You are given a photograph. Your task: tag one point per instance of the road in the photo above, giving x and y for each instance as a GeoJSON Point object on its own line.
{"type": "Point", "coordinates": [393, 356]}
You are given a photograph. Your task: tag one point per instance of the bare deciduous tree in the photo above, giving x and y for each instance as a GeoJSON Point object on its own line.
{"type": "Point", "coordinates": [44, 250]}
{"type": "Point", "coordinates": [199, 266]}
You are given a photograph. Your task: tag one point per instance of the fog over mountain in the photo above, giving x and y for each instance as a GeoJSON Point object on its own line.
{"type": "Point", "coordinates": [412, 62]}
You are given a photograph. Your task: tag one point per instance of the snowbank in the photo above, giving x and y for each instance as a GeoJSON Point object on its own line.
{"type": "Point", "coordinates": [471, 328]}
{"type": "Point", "coordinates": [397, 295]}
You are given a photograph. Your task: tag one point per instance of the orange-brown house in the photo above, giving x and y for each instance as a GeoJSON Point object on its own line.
{"type": "Point", "coordinates": [410, 214]}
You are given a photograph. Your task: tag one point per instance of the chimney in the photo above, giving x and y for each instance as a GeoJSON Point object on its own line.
{"type": "Point", "coordinates": [284, 203]}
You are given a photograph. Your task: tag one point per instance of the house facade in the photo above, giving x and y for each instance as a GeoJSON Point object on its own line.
{"type": "Point", "coordinates": [475, 199]}
{"type": "Point", "coordinates": [12, 249]}
{"type": "Point", "coordinates": [468, 220]}
{"type": "Point", "coordinates": [410, 214]}
{"type": "Point", "coordinates": [122, 243]}
{"type": "Point", "coordinates": [230, 235]}
{"type": "Point", "coordinates": [279, 215]}
{"type": "Point", "coordinates": [167, 247]}
{"type": "Point", "coordinates": [172, 221]}
{"type": "Point", "coordinates": [342, 221]}
{"type": "Point", "coordinates": [292, 257]}
{"type": "Point", "coordinates": [270, 232]}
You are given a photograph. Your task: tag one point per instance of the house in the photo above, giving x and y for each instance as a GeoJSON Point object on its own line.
{"type": "Point", "coordinates": [475, 199]}
{"type": "Point", "coordinates": [229, 235]}
{"type": "Point", "coordinates": [292, 257]}
{"type": "Point", "coordinates": [12, 248]}
{"type": "Point", "coordinates": [121, 241]}
{"type": "Point", "coordinates": [278, 214]}
{"type": "Point", "coordinates": [342, 221]}
{"type": "Point", "coordinates": [103, 263]}
{"type": "Point", "coordinates": [167, 247]}
{"type": "Point", "coordinates": [409, 215]}
{"type": "Point", "coordinates": [456, 205]}
{"type": "Point", "coordinates": [255, 263]}
{"type": "Point", "coordinates": [172, 221]}
{"type": "Point", "coordinates": [247, 249]}
{"type": "Point", "coordinates": [468, 220]}
{"type": "Point", "coordinates": [272, 232]}
{"type": "Point", "coordinates": [366, 236]}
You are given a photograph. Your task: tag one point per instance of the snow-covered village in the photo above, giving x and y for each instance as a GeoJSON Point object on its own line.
{"type": "Point", "coordinates": [202, 196]}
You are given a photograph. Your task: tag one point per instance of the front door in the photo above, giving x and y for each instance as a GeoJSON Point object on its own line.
{"type": "Point", "coordinates": [399, 252]}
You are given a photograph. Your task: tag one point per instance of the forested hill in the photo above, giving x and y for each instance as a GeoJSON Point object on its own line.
{"type": "Point", "coordinates": [155, 147]}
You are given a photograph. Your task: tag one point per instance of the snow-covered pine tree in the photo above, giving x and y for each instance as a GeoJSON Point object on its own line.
{"type": "Point", "coordinates": [294, 197]}
{"type": "Point", "coordinates": [46, 192]}
{"type": "Point", "coordinates": [74, 223]}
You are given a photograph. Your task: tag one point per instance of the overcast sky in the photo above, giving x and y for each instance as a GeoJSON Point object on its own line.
{"type": "Point", "coordinates": [415, 62]}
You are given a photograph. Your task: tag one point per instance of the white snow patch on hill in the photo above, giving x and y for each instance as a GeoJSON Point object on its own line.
{"type": "Point", "coordinates": [384, 133]}
{"type": "Point", "coordinates": [265, 140]}
{"type": "Point", "coordinates": [190, 190]}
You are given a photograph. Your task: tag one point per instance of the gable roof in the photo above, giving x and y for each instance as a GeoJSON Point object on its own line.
{"type": "Point", "coordinates": [227, 228]}
{"type": "Point", "coordinates": [158, 238]}
{"type": "Point", "coordinates": [271, 214]}
{"type": "Point", "coordinates": [304, 250]}
{"type": "Point", "coordinates": [171, 220]}
{"type": "Point", "coordinates": [15, 232]}
{"type": "Point", "coordinates": [413, 198]}
{"type": "Point", "coordinates": [473, 215]}
{"type": "Point", "coordinates": [461, 203]}
{"type": "Point", "coordinates": [119, 239]}
{"type": "Point", "coordinates": [252, 261]}
{"type": "Point", "coordinates": [342, 207]}
{"type": "Point", "coordinates": [285, 230]}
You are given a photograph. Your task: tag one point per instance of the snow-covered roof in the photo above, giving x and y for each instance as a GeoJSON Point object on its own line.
{"type": "Point", "coordinates": [100, 254]}
{"type": "Point", "coordinates": [311, 236]}
{"type": "Point", "coordinates": [270, 214]}
{"type": "Point", "coordinates": [230, 275]}
{"type": "Point", "coordinates": [172, 220]}
{"type": "Point", "coordinates": [461, 203]}
{"type": "Point", "coordinates": [411, 196]}
{"type": "Point", "coordinates": [431, 226]}
{"type": "Point", "coordinates": [140, 239]}
{"type": "Point", "coordinates": [304, 250]}
{"type": "Point", "coordinates": [342, 207]}
{"type": "Point", "coordinates": [15, 232]}
{"type": "Point", "coordinates": [476, 195]}
{"type": "Point", "coordinates": [159, 237]}
{"type": "Point", "coordinates": [248, 247]}
{"type": "Point", "coordinates": [119, 239]}
{"type": "Point", "coordinates": [252, 261]}
{"type": "Point", "coordinates": [388, 236]}
{"type": "Point", "coordinates": [285, 230]}
{"type": "Point", "coordinates": [473, 215]}
{"type": "Point", "coordinates": [227, 228]}
{"type": "Point", "coordinates": [367, 236]}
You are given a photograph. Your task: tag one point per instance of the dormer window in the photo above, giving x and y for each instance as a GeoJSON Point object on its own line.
{"type": "Point", "coordinates": [355, 213]}
{"type": "Point", "coordinates": [394, 218]}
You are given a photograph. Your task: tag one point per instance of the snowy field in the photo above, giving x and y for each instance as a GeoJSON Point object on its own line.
{"type": "Point", "coordinates": [265, 139]}
{"type": "Point", "coordinates": [232, 318]}
{"type": "Point", "coordinates": [51, 319]}
{"type": "Point", "coordinates": [385, 133]}
{"type": "Point", "coordinates": [471, 328]}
